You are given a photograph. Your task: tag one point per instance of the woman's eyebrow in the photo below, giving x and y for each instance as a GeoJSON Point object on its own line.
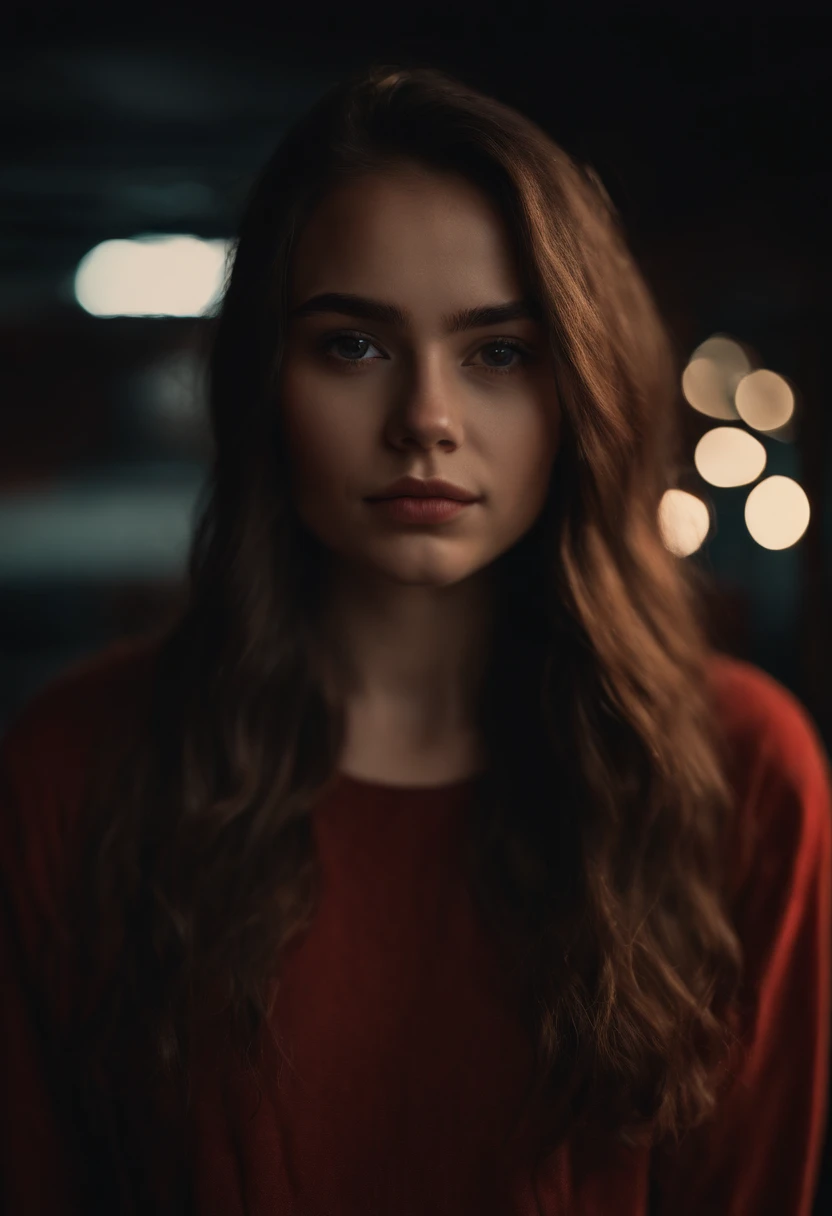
{"type": "Point", "coordinates": [376, 310]}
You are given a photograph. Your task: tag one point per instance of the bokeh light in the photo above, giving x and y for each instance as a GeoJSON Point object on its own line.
{"type": "Point", "coordinates": [711, 377]}
{"type": "Point", "coordinates": [728, 456]}
{"type": "Point", "coordinates": [151, 276]}
{"type": "Point", "coordinates": [777, 512]}
{"type": "Point", "coordinates": [684, 521]}
{"type": "Point", "coordinates": [764, 400]}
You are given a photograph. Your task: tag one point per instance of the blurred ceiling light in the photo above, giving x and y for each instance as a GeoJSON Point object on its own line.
{"type": "Point", "coordinates": [684, 521]}
{"type": "Point", "coordinates": [713, 372]}
{"type": "Point", "coordinates": [151, 276]}
{"type": "Point", "coordinates": [777, 512]}
{"type": "Point", "coordinates": [764, 400]}
{"type": "Point", "coordinates": [728, 456]}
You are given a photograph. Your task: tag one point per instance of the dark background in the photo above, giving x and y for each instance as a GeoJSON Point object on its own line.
{"type": "Point", "coordinates": [707, 124]}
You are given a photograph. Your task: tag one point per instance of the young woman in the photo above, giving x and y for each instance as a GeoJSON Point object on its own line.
{"type": "Point", "coordinates": [430, 861]}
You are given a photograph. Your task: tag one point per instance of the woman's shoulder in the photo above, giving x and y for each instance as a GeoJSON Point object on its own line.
{"type": "Point", "coordinates": [90, 694]}
{"type": "Point", "coordinates": [55, 742]}
{"type": "Point", "coordinates": [760, 716]}
{"type": "Point", "coordinates": [780, 771]}
{"type": "Point", "coordinates": [49, 755]}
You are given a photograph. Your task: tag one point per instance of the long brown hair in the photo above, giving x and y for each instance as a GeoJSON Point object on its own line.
{"type": "Point", "coordinates": [597, 840]}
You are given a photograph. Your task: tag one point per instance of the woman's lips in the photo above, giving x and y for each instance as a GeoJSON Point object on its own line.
{"type": "Point", "coordinates": [407, 510]}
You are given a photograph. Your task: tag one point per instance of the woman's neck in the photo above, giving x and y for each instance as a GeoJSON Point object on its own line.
{"type": "Point", "coordinates": [413, 657]}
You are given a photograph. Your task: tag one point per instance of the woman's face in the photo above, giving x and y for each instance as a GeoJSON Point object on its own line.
{"type": "Point", "coordinates": [412, 397]}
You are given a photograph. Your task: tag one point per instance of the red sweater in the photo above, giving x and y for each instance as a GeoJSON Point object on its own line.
{"type": "Point", "coordinates": [406, 1057]}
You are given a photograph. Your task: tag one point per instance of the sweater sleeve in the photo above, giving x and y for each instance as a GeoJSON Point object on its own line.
{"type": "Point", "coordinates": [45, 761]}
{"type": "Point", "coordinates": [38, 1157]}
{"type": "Point", "coordinates": [761, 1151]}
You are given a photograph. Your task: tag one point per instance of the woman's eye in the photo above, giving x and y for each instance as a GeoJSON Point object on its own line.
{"type": "Point", "coordinates": [511, 356]}
{"type": "Point", "coordinates": [520, 355]}
{"type": "Point", "coordinates": [346, 341]}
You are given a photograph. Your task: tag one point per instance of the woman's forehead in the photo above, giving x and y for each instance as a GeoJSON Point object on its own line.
{"type": "Point", "coordinates": [440, 246]}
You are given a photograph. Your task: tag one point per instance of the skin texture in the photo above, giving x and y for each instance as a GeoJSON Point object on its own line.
{"type": "Point", "coordinates": [409, 614]}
